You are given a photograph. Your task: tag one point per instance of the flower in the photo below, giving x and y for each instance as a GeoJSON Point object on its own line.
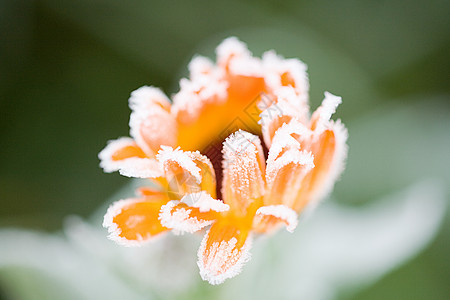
{"type": "Point", "coordinates": [236, 100]}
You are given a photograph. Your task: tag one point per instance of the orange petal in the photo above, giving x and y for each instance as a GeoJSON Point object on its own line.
{"type": "Point", "coordinates": [125, 156]}
{"type": "Point", "coordinates": [208, 182]}
{"type": "Point", "coordinates": [287, 166]}
{"type": "Point", "coordinates": [268, 218]}
{"type": "Point", "coordinates": [285, 177]}
{"type": "Point", "coordinates": [223, 252]}
{"type": "Point", "coordinates": [132, 222]}
{"type": "Point", "coordinates": [204, 106]}
{"type": "Point", "coordinates": [243, 168]}
{"type": "Point", "coordinates": [146, 97]}
{"type": "Point", "coordinates": [148, 191]}
{"type": "Point", "coordinates": [192, 213]}
{"type": "Point", "coordinates": [215, 119]}
{"type": "Point", "coordinates": [330, 151]}
{"type": "Point", "coordinates": [151, 124]}
{"type": "Point", "coordinates": [186, 172]}
{"type": "Point", "coordinates": [198, 94]}
{"type": "Point", "coordinates": [280, 72]}
{"type": "Point", "coordinates": [234, 57]}
{"type": "Point", "coordinates": [285, 106]}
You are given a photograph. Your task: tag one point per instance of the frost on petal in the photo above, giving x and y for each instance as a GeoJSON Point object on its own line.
{"type": "Point", "coordinates": [125, 156]}
{"type": "Point", "coordinates": [286, 105]}
{"type": "Point", "coordinates": [173, 160]}
{"type": "Point", "coordinates": [268, 218]}
{"type": "Point", "coordinates": [323, 113]}
{"type": "Point", "coordinates": [194, 212]}
{"type": "Point", "coordinates": [328, 146]}
{"type": "Point", "coordinates": [186, 172]}
{"type": "Point", "coordinates": [285, 176]}
{"type": "Point", "coordinates": [146, 97]}
{"type": "Point", "coordinates": [132, 222]}
{"type": "Point", "coordinates": [182, 218]}
{"type": "Point", "coordinates": [292, 135]}
{"type": "Point", "coordinates": [207, 174]}
{"type": "Point", "coordinates": [151, 126]}
{"type": "Point", "coordinates": [281, 72]}
{"type": "Point", "coordinates": [329, 149]}
{"type": "Point", "coordinates": [204, 202]}
{"type": "Point", "coordinates": [197, 95]}
{"type": "Point", "coordinates": [223, 252]}
{"type": "Point", "coordinates": [200, 66]}
{"type": "Point", "coordinates": [112, 156]}
{"type": "Point", "coordinates": [243, 168]}
{"type": "Point", "coordinates": [234, 56]}
{"type": "Point", "coordinates": [140, 168]}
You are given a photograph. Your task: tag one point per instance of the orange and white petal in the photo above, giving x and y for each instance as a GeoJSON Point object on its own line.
{"type": "Point", "coordinates": [287, 165]}
{"type": "Point", "coordinates": [147, 191]}
{"type": "Point", "coordinates": [234, 57]}
{"type": "Point", "coordinates": [140, 168]}
{"type": "Point", "coordinates": [151, 124]}
{"type": "Point", "coordinates": [204, 202]}
{"type": "Point", "coordinates": [243, 169]}
{"type": "Point", "coordinates": [125, 156]}
{"type": "Point", "coordinates": [207, 173]}
{"type": "Point", "coordinates": [194, 212]}
{"type": "Point", "coordinates": [200, 66]}
{"type": "Point", "coordinates": [323, 113]}
{"type": "Point", "coordinates": [268, 218]}
{"type": "Point", "coordinates": [223, 252]}
{"type": "Point", "coordinates": [181, 218]}
{"type": "Point", "coordinates": [176, 161]}
{"type": "Point", "coordinates": [330, 152]}
{"type": "Point", "coordinates": [288, 106]}
{"type": "Point", "coordinates": [186, 172]}
{"type": "Point", "coordinates": [196, 95]}
{"type": "Point", "coordinates": [285, 175]}
{"type": "Point", "coordinates": [292, 135]}
{"type": "Point", "coordinates": [281, 72]}
{"type": "Point", "coordinates": [112, 156]}
{"type": "Point", "coordinates": [146, 97]}
{"type": "Point", "coordinates": [132, 222]}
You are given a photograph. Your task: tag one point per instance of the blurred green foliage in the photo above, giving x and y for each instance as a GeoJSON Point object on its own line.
{"type": "Point", "coordinates": [67, 68]}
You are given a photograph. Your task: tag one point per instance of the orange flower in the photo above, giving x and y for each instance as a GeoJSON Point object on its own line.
{"type": "Point", "coordinates": [234, 101]}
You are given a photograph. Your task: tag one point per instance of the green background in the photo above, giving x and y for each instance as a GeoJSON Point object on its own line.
{"type": "Point", "coordinates": [68, 67]}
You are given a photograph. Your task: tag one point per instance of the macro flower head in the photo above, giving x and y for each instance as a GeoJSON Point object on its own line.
{"type": "Point", "coordinates": [236, 153]}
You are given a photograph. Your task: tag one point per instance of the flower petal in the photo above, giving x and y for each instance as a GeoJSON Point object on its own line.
{"type": "Point", "coordinates": [207, 174]}
{"type": "Point", "coordinates": [329, 148]}
{"type": "Point", "coordinates": [223, 252]}
{"type": "Point", "coordinates": [268, 218]}
{"type": "Point", "coordinates": [125, 156]}
{"type": "Point", "coordinates": [323, 113]}
{"type": "Point", "coordinates": [243, 168]}
{"type": "Point", "coordinates": [330, 152]}
{"type": "Point", "coordinates": [112, 156]}
{"type": "Point", "coordinates": [186, 172]}
{"type": "Point", "coordinates": [287, 165]}
{"type": "Point", "coordinates": [197, 95]}
{"type": "Point", "coordinates": [286, 106]}
{"type": "Point", "coordinates": [194, 212]}
{"type": "Point", "coordinates": [281, 72]}
{"type": "Point", "coordinates": [200, 66]}
{"type": "Point", "coordinates": [146, 97]}
{"type": "Point", "coordinates": [151, 123]}
{"type": "Point", "coordinates": [285, 176]}
{"type": "Point", "coordinates": [235, 58]}
{"type": "Point", "coordinates": [182, 218]}
{"type": "Point", "coordinates": [132, 222]}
